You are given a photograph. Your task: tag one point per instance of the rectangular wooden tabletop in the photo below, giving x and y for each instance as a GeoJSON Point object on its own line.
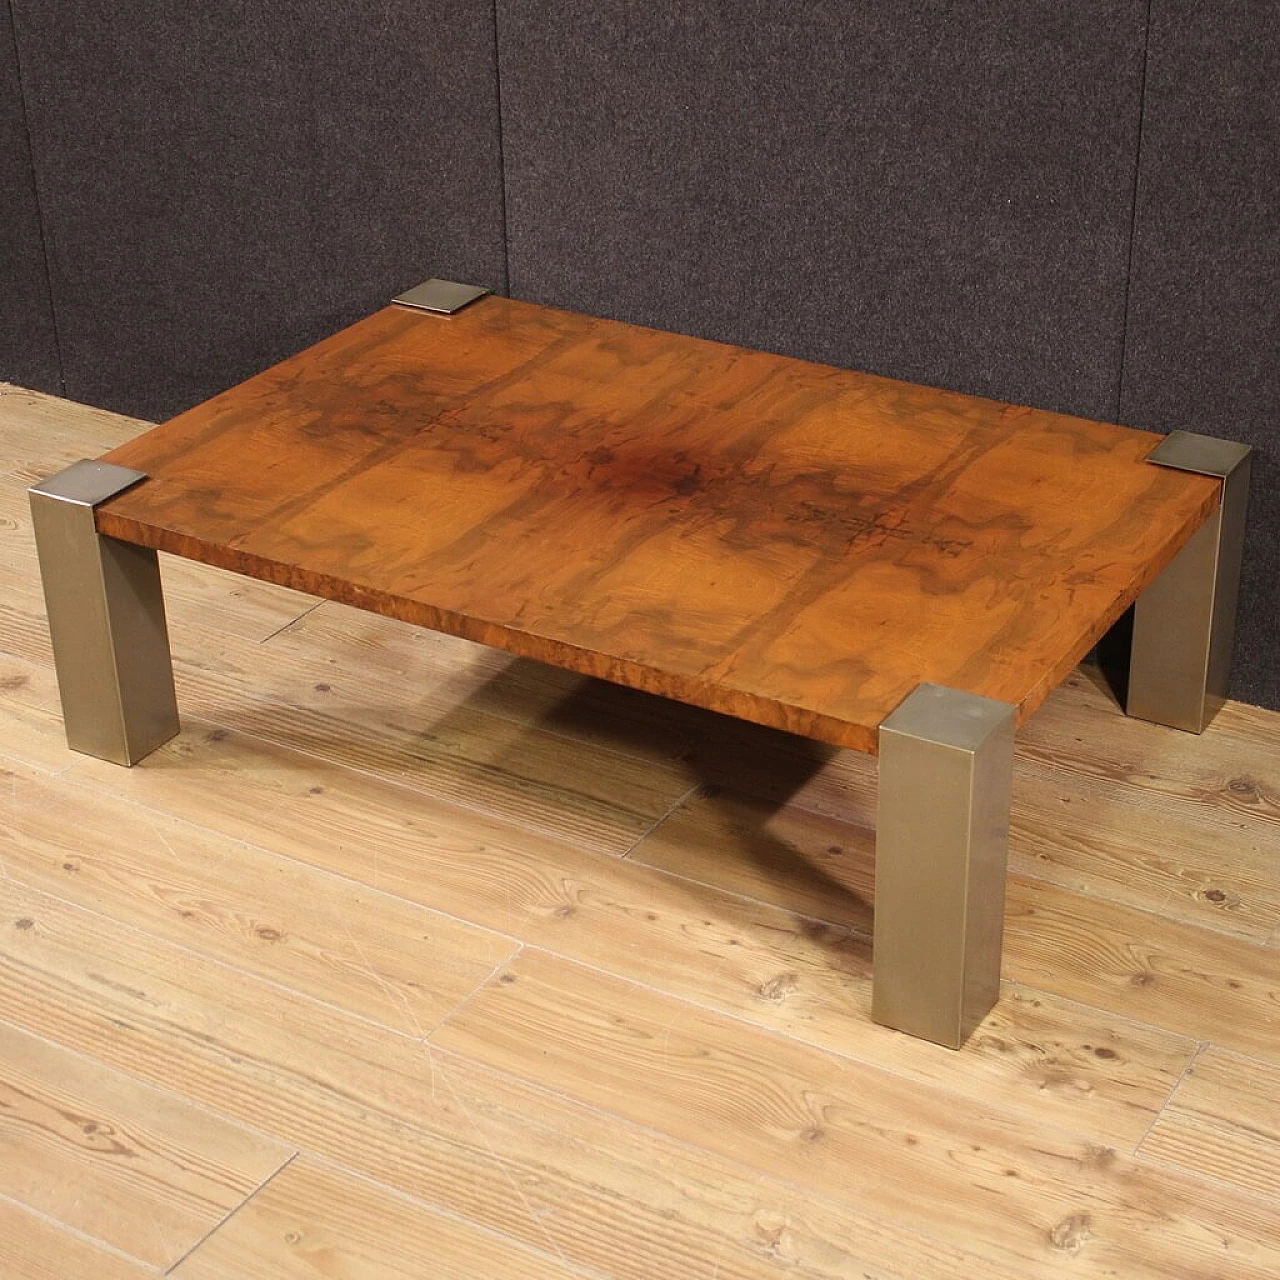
{"type": "Point", "coordinates": [787, 542]}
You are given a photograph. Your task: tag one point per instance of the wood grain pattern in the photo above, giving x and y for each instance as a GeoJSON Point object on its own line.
{"type": "Point", "coordinates": [43, 442]}
{"type": "Point", "coordinates": [1043, 1057]}
{"type": "Point", "coordinates": [197, 597]}
{"type": "Point", "coordinates": [718, 1083]}
{"type": "Point", "coordinates": [1200, 982]}
{"type": "Point", "coordinates": [1195, 981]}
{"type": "Point", "coordinates": [34, 733]}
{"type": "Point", "coordinates": [1234, 785]}
{"type": "Point", "coordinates": [328, 937]}
{"type": "Point", "coordinates": [408, 733]}
{"type": "Point", "coordinates": [314, 1222]}
{"type": "Point", "coordinates": [521, 1161]}
{"type": "Point", "coordinates": [463, 673]}
{"type": "Point", "coordinates": [643, 1120]}
{"type": "Point", "coordinates": [1117, 809]}
{"type": "Point", "coordinates": [790, 543]}
{"type": "Point", "coordinates": [1094, 837]}
{"type": "Point", "coordinates": [36, 429]}
{"type": "Point", "coordinates": [135, 1167]}
{"type": "Point", "coordinates": [1224, 1120]}
{"type": "Point", "coordinates": [36, 1248]}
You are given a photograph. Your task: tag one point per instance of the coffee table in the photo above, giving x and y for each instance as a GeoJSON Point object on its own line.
{"type": "Point", "coordinates": [891, 568]}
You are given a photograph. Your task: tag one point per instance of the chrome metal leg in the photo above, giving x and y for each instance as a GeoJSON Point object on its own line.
{"type": "Point", "coordinates": [1184, 622]}
{"type": "Point", "coordinates": [106, 619]}
{"type": "Point", "coordinates": [942, 834]}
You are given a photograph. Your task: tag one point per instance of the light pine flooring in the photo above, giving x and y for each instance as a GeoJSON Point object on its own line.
{"type": "Point", "coordinates": [407, 959]}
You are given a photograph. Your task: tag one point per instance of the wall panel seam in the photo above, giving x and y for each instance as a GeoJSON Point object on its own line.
{"type": "Point", "coordinates": [1135, 192]}
{"type": "Point", "coordinates": [502, 159]}
{"type": "Point", "coordinates": [39, 199]}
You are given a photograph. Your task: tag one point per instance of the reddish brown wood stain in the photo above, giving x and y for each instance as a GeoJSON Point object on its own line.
{"type": "Point", "coordinates": [786, 542]}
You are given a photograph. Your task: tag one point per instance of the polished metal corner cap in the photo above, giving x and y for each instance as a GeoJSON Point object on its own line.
{"type": "Point", "coordinates": [88, 482]}
{"type": "Point", "coordinates": [443, 297]}
{"type": "Point", "coordinates": [1204, 455]}
{"type": "Point", "coordinates": [935, 713]}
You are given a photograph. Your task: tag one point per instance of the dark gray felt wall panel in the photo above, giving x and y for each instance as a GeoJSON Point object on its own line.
{"type": "Point", "coordinates": [225, 182]}
{"type": "Point", "coordinates": [1203, 348]}
{"type": "Point", "coordinates": [938, 191]}
{"type": "Point", "coordinates": [28, 351]}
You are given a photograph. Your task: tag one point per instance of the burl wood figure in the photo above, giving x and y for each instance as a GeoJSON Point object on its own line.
{"type": "Point", "coordinates": [881, 566]}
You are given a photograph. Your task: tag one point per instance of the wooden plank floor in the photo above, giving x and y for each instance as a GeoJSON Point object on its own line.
{"type": "Point", "coordinates": [409, 959]}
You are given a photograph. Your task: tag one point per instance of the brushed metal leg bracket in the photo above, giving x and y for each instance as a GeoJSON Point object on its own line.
{"type": "Point", "coordinates": [106, 619]}
{"type": "Point", "coordinates": [942, 834]}
{"type": "Point", "coordinates": [443, 297]}
{"type": "Point", "coordinates": [1184, 622]}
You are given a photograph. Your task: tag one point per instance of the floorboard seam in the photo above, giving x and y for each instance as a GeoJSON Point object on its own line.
{"type": "Point", "coordinates": [202, 1108]}
{"type": "Point", "coordinates": [222, 1222]}
{"type": "Point", "coordinates": [78, 1234]}
{"type": "Point", "coordinates": [384, 779]}
{"type": "Point", "coordinates": [90, 786]}
{"type": "Point", "coordinates": [306, 613]}
{"type": "Point", "coordinates": [205, 958]}
{"type": "Point", "coordinates": [843, 927]}
{"type": "Point", "coordinates": [356, 1175]}
{"type": "Point", "coordinates": [1201, 1045]}
{"type": "Point", "coordinates": [840, 927]}
{"type": "Point", "coordinates": [916, 1082]}
{"type": "Point", "coordinates": [693, 790]}
{"type": "Point", "coordinates": [480, 986]}
{"type": "Point", "coordinates": [395, 684]}
{"type": "Point", "coordinates": [749, 1172]}
{"type": "Point", "coordinates": [1218, 1184]}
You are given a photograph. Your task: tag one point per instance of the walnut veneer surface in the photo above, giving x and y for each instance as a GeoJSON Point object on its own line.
{"type": "Point", "coordinates": [790, 543]}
